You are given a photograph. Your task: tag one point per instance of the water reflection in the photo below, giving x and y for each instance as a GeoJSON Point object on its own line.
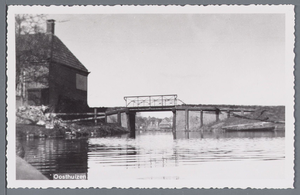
{"type": "Point", "coordinates": [56, 155]}
{"type": "Point", "coordinates": [226, 134]}
{"type": "Point", "coordinates": [160, 149]}
{"type": "Point", "coordinates": [100, 157]}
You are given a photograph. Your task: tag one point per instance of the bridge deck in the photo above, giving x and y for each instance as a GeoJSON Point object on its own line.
{"type": "Point", "coordinates": [175, 108]}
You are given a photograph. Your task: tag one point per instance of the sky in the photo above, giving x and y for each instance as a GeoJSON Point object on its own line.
{"type": "Point", "coordinates": [203, 58]}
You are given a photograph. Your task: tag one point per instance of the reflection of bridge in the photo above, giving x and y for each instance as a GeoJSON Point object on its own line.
{"type": "Point", "coordinates": [125, 116]}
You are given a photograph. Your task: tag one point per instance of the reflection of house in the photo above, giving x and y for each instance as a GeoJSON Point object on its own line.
{"type": "Point", "coordinates": [51, 74]}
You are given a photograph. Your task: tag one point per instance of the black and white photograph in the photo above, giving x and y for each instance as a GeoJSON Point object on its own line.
{"type": "Point", "coordinates": [150, 96]}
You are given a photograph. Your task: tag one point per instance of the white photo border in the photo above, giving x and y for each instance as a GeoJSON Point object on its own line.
{"type": "Point", "coordinates": [287, 182]}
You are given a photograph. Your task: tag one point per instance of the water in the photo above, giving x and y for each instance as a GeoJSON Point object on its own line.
{"type": "Point", "coordinates": [161, 155]}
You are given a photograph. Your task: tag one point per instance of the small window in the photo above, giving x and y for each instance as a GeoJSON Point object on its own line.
{"type": "Point", "coordinates": [81, 82]}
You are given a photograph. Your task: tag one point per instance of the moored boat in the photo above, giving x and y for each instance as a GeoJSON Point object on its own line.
{"type": "Point", "coordinates": [261, 126]}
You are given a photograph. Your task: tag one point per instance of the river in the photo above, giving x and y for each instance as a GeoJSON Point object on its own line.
{"type": "Point", "coordinates": [162, 155]}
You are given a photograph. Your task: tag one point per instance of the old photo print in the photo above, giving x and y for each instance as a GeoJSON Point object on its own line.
{"type": "Point", "coordinates": [150, 96]}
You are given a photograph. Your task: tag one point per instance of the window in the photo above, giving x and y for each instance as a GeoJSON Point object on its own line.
{"type": "Point", "coordinates": [81, 82]}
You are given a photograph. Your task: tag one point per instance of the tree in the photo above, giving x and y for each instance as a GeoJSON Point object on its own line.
{"type": "Point", "coordinates": [29, 24]}
{"type": "Point", "coordinates": [33, 51]}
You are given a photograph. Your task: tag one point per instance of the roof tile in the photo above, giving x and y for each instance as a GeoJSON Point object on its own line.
{"type": "Point", "coordinates": [36, 47]}
{"type": "Point", "coordinates": [61, 54]}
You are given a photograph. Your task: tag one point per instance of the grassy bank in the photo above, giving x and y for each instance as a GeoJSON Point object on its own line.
{"type": "Point", "coordinates": [272, 114]}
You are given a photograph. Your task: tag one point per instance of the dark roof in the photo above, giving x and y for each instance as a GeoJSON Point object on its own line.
{"type": "Point", "coordinates": [61, 54]}
{"type": "Point", "coordinates": [37, 47]}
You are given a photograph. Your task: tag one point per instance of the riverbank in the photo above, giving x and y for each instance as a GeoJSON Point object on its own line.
{"type": "Point", "coordinates": [271, 114]}
{"type": "Point", "coordinates": [72, 130]}
{"type": "Point", "coordinates": [36, 122]}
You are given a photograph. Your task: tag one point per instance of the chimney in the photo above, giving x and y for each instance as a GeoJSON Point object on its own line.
{"type": "Point", "coordinates": [50, 26]}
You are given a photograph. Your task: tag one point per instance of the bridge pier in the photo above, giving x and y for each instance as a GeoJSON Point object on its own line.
{"type": "Point", "coordinates": [201, 118]}
{"type": "Point", "coordinates": [217, 115]}
{"type": "Point", "coordinates": [119, 119]}
{"type": "Point", "coordinates": [131, 123]}
{"type": "Point", "coordinates": [95, 116]}
{"type": "Point", "coordinates": [187, 119]}
{"type": "Point", "coordinates": [174, 121]}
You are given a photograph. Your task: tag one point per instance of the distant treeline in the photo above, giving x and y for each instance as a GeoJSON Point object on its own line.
{"type": "Point", "coordinates": [232, 106]}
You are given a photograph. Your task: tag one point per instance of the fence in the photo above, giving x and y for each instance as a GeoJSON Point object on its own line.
{"type": "Point", "coordinates": [95, 116]}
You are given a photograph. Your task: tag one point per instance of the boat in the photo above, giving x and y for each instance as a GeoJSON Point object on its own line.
{"type": "Point", "coordinates": [261, 126]}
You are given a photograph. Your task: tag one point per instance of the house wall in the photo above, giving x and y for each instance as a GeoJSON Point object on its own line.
{"type": "Point", "coordinates": [64, 96]}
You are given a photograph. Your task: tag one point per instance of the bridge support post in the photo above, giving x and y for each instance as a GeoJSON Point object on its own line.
{"type": "Point", "coordinates": [119, 119]}
{"type": "Point", "coordinates": [186, 119]}
{"type": "Point", "coordinates": [95, 116]}
{"type": "Point", "coordinates": [217, 115]}
{"type": "Point", "coordinates": [174, 121]}
{"type": "Point", "coordinates": [201, 118]}
{"type": "Point", "coordinates": [131, 123]}
{"type": "Point", "coordinates": [228, 114]}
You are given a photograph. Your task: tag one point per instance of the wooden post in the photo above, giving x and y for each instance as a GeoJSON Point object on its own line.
{"type": "Point", "coordinates": [174, 135]}
{"type": "Point", "coordinates": [119, 119]}
{"type": "Point", "coordinates": [217, 115]}
{"type": "Point", "coordinates": [228, 114]}
{"type": "Point", "coordinates": [128, 121]}
{"type": "Point", "coordinates": [187, 134]}
{"type": "Point", "coordinates": [186, 119]}
{"type": "Point", "coordinates": [131, 123]}
{"type": "Point", "coordinates": [24, 100]}
{"type": "Point", "coordinates": [174, 121]}
{"type": "Point", "coordinates": [201, 118]}
{"type": "Point", "coordinates": [105, 117]}
{"type": "Point", "coordinates": [95, 115]}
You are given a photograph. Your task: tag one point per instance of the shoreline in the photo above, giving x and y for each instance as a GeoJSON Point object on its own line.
{"type": "Point", "coordinates": [73, 130]}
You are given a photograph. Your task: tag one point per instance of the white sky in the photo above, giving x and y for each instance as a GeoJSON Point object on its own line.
{"type": "Point", "coordinates": [204, 58]}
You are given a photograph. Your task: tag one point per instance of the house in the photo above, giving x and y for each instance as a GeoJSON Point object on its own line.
{"type": "Point", "coordinates": [165, 124]}
{"type": "Point", "coordinates": [49, 73]}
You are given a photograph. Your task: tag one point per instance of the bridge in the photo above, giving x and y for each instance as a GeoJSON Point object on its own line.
{"type": "Point", "coordinates": [125, 116]}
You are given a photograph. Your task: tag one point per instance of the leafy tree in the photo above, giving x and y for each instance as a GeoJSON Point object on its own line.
{"type": "Point", "coordinates": [29, 24]}
{"type": "Point", "coordinates": [33, 50]}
